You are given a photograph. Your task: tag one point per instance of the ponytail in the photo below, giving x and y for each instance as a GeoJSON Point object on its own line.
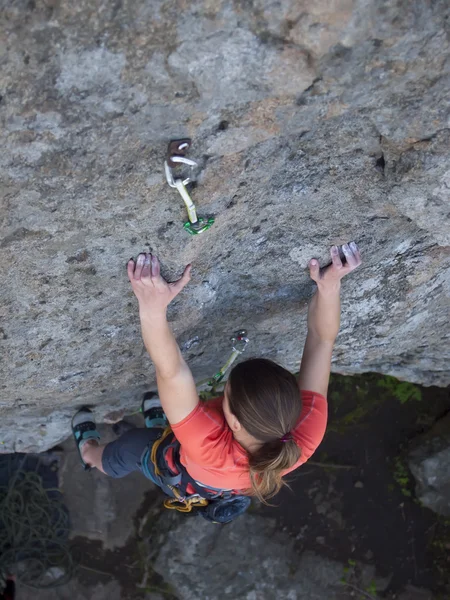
{"type": "Point", "coordinates": [265, 399]}
{"type": "Point", "coordinates": [268, 464]}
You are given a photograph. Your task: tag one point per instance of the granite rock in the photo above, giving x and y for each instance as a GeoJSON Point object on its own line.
{"type": "Point", "coordinates": [249, 559]}
{"type": "Point", "coordinates": [313, 124]}
{"type": "Point", "coordinates": [429, 461]}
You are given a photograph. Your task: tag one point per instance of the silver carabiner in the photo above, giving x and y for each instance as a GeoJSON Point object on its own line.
{"type": "Point", "coordinates": [240, 339]}
{"type": "Point", "coordinates": [170, 179]}
{"type": "Point", "coordinates": [184, 160]}
{"type": "Point", "coordinates": [175, 156]}
{"type": "Point", "coordinates": [180, 184]}
{"type": "Point", "coordinates": [169, 173]}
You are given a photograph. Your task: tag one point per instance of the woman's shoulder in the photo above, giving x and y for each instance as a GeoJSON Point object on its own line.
{"type": "Point", "coordinates": [313, 405]}
{"type": "Point", "coordinates": [214, 411]}
{"type": "Point", "coordinates": [206, 415]}
{"type": "Point", "coordinates": [213, 405]}
{"type": "Point", "coordinates": [312, 422]}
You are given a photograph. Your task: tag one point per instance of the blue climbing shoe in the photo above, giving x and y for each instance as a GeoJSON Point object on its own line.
{"type": "Point", "coordinates": [84, 429]}
{"type": "Point", "coordinates": [153, 412]}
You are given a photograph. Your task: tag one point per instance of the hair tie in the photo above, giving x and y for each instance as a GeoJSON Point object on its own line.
{"type": "Point", "coordinates": [287, 437]}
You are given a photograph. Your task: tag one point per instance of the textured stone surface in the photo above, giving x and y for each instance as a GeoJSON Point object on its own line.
{"type": "Point", "coordinates": [429, 461]}
{"type": "Point", "coordinates": [101, 508]}
{"type": "Point", "coordinates": [313, 123]}
{"type": "Point", "coordinates": [75, 591]}
{"type": "Point", "coordinates": [78, 590]}
{"type": "Point", "coordinates": [249, 559]}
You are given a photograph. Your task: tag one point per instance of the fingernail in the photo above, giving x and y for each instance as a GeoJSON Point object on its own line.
{"type": "Point", "coordinates": [313, 262]}
{"type": "Point", "coordinates": [154, 259]}
{"type": "Point", "coordinates": [334, 249]}
{"type": "Point", "coordinates": [346, 249]}
{"type": "Point", "coordinates": [147, 259]}
{"type": "Point", "coordinates": [141, 258]}
{"type": "Point", "coordinates": [353, 246]}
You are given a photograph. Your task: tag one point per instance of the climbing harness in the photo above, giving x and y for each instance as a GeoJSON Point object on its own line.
{"type": "Point", "coordinates": [176, 156]}
{"type": "Point", "coordinates": [214, 505]}
{"type": "Point", "coordinates": [180, 502]}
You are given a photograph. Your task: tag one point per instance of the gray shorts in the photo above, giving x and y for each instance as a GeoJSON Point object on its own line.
{"type": "Point", "coordinates": [123, 456]}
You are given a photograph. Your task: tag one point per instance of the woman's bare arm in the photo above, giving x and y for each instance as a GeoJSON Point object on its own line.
{"type": "Point", "coordinates": [176, 385]}
{"type": "Point", "coordinates": [324, 315]}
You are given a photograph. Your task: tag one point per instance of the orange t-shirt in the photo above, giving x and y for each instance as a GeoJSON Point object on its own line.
{"type": "Point", "coordinates": [214, 458]}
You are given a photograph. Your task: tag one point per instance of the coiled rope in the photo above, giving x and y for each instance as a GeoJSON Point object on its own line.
{"type": "Point", "coordinates": [34, 532]}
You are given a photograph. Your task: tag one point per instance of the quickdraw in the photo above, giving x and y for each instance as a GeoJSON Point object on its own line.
{"type": "Point", "coordinates": [176, 156]}
{"type": "Point", "coordinates": [239, 341]}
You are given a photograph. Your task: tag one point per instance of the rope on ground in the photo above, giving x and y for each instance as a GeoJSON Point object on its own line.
{"type": "Point", "coordinates": [34, 532]}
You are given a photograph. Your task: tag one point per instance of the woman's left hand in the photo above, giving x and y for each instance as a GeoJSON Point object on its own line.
{"type": "Point", "coordinates": [331, 275]}
{"type": "Point", "coordinates": [151, 289]}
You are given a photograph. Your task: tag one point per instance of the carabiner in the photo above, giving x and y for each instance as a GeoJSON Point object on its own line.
{"type": "Point", "coordinates": [176, 156]}
{"type": "Point", "coordinates": [240, 339]}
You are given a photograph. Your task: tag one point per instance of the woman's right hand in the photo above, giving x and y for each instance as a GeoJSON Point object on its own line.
{"type": "Point", "coordinates": [153, 292]}
{"type": "Point", "coordinates": [333, 273]}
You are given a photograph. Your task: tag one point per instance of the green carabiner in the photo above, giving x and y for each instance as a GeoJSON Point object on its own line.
{"type": "Point", "coordinates": [199, 226]}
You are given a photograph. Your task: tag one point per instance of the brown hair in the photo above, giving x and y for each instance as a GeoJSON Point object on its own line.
{"type": "Point", "coordinates": [265, 399]}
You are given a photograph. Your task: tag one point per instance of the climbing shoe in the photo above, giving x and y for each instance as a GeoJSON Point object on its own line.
{"type": "Point", "coordinates": [153, 412]}
{"type": "Point", "coordinates": [84, 429]}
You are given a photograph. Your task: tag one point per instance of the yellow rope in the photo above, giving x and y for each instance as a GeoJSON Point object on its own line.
{"type": "Point", "coordinates": [155, 447]}
{"type": "Point", "coordinates": [186, 505]}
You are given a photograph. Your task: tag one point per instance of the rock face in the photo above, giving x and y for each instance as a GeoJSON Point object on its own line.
{"type": "Point", "coordinates": [313, 123]}
{"type": "Point", "coordinates": [266, 567]}
{"type": "Point", "coordinates": [249, 559]}
{"type": "Point", "coordinates": [429, 461]}
{"type": "Point", "coordinates": [101, 508]}
{"type": "Point", "coordinates": [76, 591]}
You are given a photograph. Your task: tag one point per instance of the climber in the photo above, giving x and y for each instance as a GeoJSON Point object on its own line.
{"type": "Point", "coordinates": [266, 425]}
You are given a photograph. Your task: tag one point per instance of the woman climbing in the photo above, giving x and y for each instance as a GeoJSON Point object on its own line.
{"type": "Point", "coordinates": [267, 424]}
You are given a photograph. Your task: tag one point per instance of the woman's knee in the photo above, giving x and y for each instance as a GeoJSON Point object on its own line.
{"type": "Point", "coordinates": [123, 456]}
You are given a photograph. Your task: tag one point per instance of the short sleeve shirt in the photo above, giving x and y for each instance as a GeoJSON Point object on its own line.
{"type": "Point", "coordinates": [214, 458]}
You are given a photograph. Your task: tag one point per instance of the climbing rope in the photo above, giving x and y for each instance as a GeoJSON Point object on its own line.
{"type": "Point", "coordinates": [34, 531]}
